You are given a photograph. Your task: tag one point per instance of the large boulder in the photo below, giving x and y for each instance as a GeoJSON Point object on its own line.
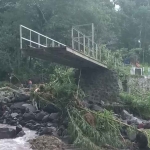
{"type": "Point", "coordinates": [18, 129]}
{"type": "Point", "coordinates": [46, 118]}
{"type": "Point", "coordinates": [53, 116]}
{"type": "Point", "coordinates": [50, 108]}
{"type": "Point", "coordinates": [40, 116]}
{"type": "Point", "coordinates": [47, 131]}
{"type": "Point", "coordinates": [18, 106]}
{"type": "Point", "coordinates": [21, 97]}
{"type": "Point", "coordinates": [14, 115]}
{"type": "Point", "coordinates": [29, 107]}
{"type": "Point", "coordinates": [20, 134]}
{"type": "Point", "coordinates": [7, 133]}
{"type": "Point", "coordinates": [142, 141]}
{"type": "Point", "coordinates": [96, 108]}
{"type": "Point", "coordinates": [29, 116]}
{"type": "Point", "coordinates": [22, 107]}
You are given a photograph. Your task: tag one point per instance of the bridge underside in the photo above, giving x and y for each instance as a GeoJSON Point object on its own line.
{"type": "Point", "coordinates": [63, 55]}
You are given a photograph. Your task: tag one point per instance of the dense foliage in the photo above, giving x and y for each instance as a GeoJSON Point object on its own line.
{"type": "Point", "coordinates": [126, 28]}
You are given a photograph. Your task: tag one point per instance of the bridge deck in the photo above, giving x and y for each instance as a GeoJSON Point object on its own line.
{"type": "Point", "coordinates": [63, 55]}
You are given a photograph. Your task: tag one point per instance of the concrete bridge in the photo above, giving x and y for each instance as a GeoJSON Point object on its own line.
{"type": "Point", "coordinates": [98, 82]}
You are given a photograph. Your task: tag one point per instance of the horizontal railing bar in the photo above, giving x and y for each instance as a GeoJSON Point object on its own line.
{"type": "Point", "coordinates": [42, 35]}
{"type": "Point", "coordinates": [87, 39]}
{"type": "Point", "coordinates": [82, 43]}
{"type": "Point", "coordinates": [33, 42]}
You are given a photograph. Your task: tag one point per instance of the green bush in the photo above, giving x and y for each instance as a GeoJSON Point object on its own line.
{"type": "Point", "coordinates": [139, 105]}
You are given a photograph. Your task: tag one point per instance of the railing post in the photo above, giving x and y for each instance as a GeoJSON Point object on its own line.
{"type": "Point", "coordinates": [88, 47]}
{"type": "Point", "coordinates": [78, 41]}
{"type": "Point", "coordinates": [53, 44]}
{"type": "Point", "coordinates": [38, 41]}
{"type": "Point", "coordinates": [30, 39]}
{"type": "Point", "coordinates": [46, 43]}
{"type": "Point", "coordinates": [84, 43]}
{"type": "Point", "coordinates": [72, 39]}
{"type": "Point", "coordinates": [100, 55]}
{"type": "Point", "coordinates": [96, 51]}
{"type": "Point", "coordinates": [20, 37]}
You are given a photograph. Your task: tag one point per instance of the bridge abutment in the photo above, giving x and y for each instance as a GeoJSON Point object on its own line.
{"type": "Point", "coordinates": [99, 85]}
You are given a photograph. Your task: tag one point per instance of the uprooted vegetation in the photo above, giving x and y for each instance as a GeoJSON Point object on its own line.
{"type": "Point", "coordinates": [88, 129]}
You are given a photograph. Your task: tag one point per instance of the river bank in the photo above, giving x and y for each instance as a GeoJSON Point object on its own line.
{"type": "Point", "coordinates": [16, 108]}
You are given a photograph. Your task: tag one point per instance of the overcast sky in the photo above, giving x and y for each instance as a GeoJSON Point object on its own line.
{"type": "Point", "coordinates": [117, 6]}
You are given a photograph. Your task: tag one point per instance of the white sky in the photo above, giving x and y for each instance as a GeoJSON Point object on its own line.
{"type": "Point", "coordinates": [116, 6]}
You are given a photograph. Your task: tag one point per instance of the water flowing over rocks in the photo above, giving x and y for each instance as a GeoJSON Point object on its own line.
{"type": "Point", "coordinates": [19, 143]}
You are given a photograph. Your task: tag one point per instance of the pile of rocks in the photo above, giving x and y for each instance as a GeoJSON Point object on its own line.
{"type": "Point", "coordinates": [18, 110]}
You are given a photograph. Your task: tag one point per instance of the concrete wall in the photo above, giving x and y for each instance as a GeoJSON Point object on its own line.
{"type": "Point", "coordinates": [99, 85]}
{"type": "Point", "coordinates": [139, 84]}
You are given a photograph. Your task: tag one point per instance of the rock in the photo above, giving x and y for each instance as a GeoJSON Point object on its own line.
{"type": "Point", "coordinates": [23, 107]}
{"type": "Point", "coordinates": [131, 119]}
{"type": "Point", "coordinates": [18, 106]}
{"type": "Point", "coordinates": [7, 133]}
{"type": "Point", "coordinates": [46, 118]}
{"type": "Point", "coordinates": [65, 123]}
{"type": "Point", "coordinates": [1, 113]}
{"type": "Point", "coordinates": [29, 107]}
{"type": "Point", "coordinates": [32, 121]}
{"type": "Point", "coordinates": [21, 97]}
{"type": "Point", "coordinates": [28, 116]}
{"type": "Point", "coordinates": [146, 125]}
{"type": "Point", "coordinates": [6, 114]}
{"type": "Point", "coordinates": [65, 132]}
{"type": "Point", "coordinates": [7, 100]}
{"type": "Point", "coordinates": [30, 126]}
{"type": "Point", "coordinates": [96, 108]}
{"type": "Point", "coordinates": [14, 115]}
{"type": "Point", "coordinates": [47, 131]}
{"type": "Point", "coordinates": [61, 130]}
{"type": "Point", "coordinates": [49, 124]}
{"type": "Point", "coordinates": [50, 108]}
{"type": "Point", "coordinates": [22, 122]}
{"type": "Point", "coordinates": [12, 122]}
{"type": "Point", "coordinates": [142, 141]}
{"type": "Point", "coordinates": [53, 116]}
{"type": "Point", "coordinates": [126, 115]}
{"type": "Point", "coordinates": [36, 126]}
{"type": "Point", "coordinates": [21, 134]}
{"type": "Point", "coordinates": [40, 116]}
{"type": "Point", "coordinates": [18, 129]}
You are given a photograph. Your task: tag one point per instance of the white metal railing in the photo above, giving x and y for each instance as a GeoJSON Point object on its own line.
{"type": "Point", "coordinates": [28, 35]}
{"type": "Point", "coordinates": [84, 44]}
{"type": "Point", "coordinates": [80, 42]}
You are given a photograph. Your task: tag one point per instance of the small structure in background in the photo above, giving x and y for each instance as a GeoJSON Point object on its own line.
{"type": "Point", "coordinates": [136, 69]}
